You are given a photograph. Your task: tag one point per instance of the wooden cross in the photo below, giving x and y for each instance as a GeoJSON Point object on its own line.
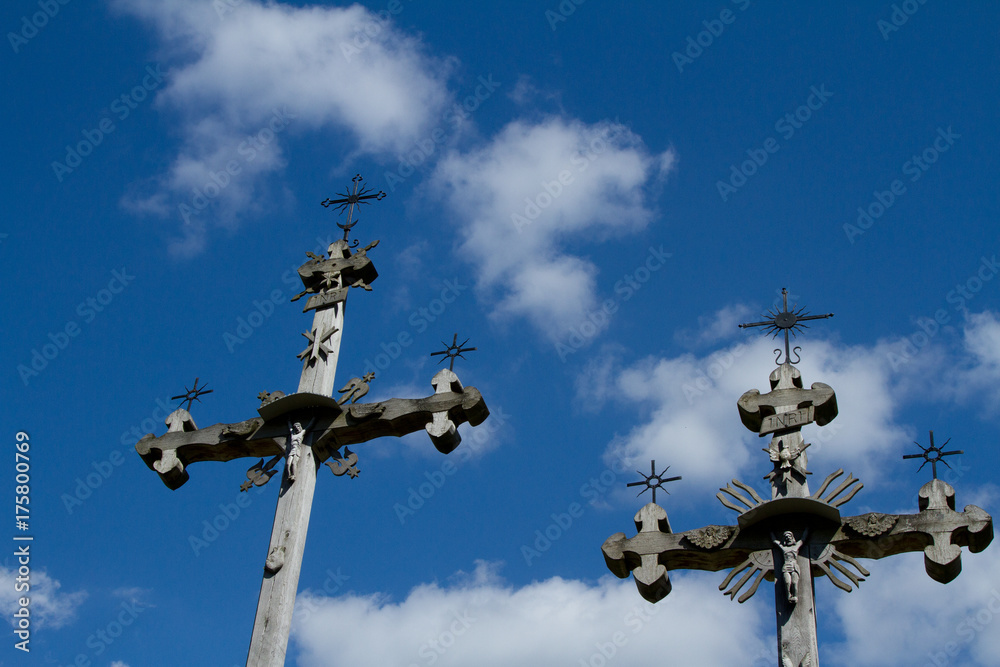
{"type": "Point", "coordinates": [814, 539]}
{"type": "Point", "coordinates": [329, 425]}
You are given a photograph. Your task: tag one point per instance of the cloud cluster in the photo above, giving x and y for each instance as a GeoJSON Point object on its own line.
{"type": "Point", "coordinates": [238, 79]}
{"type": "Point", "coordinates": [50, 606]}
{"type": "Point", "coordinates": [692, 421]}
{"type": "Point", "coordinates": [900, 616]}
{"type": "Point", "coordinates": [533, 189]}
{"type": "Point", "coordinates": [481, 620]}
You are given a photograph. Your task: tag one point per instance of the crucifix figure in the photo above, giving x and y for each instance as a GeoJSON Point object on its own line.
{"type": "Point", "coordinates": [790, 572]}
{"type": "Point", "coordinates": [329, 426]}
{"type": "Point", "coordinates": [830, 543]}
{"type": "Point", "coordinates": [296, 443]}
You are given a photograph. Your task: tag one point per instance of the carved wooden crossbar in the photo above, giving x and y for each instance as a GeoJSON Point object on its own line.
{"type": "Point", "coordinates": [937, 530]}
{"type": "Point", "coordinates": [439, 414]}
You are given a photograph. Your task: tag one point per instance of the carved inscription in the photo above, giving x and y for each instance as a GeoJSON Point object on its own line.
{"type": "Point", "coordinates": [784, 420]}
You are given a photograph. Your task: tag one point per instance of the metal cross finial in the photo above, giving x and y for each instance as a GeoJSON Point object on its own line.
{"type": "Point", "coordinates": [786, 320]}
{"type": "Point", "coordinates": [650, 484]}
{"type": "Point", "coordinates": [932, 454]}
{"type": "Point", "coordinates": [191, 395]}
{"type": "Point", "coordinates": [349, 199]}
{"type": "Point", "coordinates": [454, 350]}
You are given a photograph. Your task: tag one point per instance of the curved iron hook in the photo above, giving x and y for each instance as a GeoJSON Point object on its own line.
{"type": "Point", "coordinates": [795, 351]}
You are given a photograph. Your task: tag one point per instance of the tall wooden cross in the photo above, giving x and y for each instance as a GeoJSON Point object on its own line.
{"type": "Point", "coordinates": [308, 428]}
{"type": "Point", "coordinates": [797, 535]}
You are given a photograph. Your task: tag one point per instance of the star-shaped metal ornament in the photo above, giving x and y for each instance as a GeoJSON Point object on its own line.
{"type": "Point", "coordinates": [932, 454]}
{"type": "Point", "coordinates": [191, 395]}
{"type": "Point", "coordinates": [784, 321]}
{"type": "Point", "coordinates": [654, 481]}
{"type": "Point", "coordinates": [347, 201]}
{"type": "Point", "coordinates": [454, 350]}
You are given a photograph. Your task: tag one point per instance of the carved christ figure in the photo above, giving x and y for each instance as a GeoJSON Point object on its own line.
{"type": "Point", "coordinates": [790, 566]}
{"type": "Point", "coordinates": [296, 440]}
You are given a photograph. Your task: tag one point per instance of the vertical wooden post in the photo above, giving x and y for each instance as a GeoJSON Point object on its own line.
{"type": "Point", "coordinates": [291, 517]}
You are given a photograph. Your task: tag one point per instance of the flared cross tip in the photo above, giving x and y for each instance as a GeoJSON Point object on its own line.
{"type": "Point", "coordinates": [654, 481]}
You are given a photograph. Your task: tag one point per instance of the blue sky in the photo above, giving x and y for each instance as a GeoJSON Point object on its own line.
{"type": "Point", "coordinates": [601, 193]}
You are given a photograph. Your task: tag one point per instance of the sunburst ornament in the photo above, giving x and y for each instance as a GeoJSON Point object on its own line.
{"type": "Point", "coordinates": [358, 195]}
{"type": "Point", "coordinates": [191, 395]}
{"type": "Point", "coordinates": [454, 350]}
{"type": "Point", "coordinates": [785, 321]}
{"type": "Point", "coordinates": [933, 454]}
{"type": "Point", "coordinates": [654, 481]}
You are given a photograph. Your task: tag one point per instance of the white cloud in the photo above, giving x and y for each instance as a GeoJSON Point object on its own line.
{"type": "Point", "coordinates": [49, 607]}
{"type": "Point", "coordinates": [240, 80]}
{"type": "Point", "coordinates": [900, 616]}
{"type": "Point", "coordinates": [533, 188]}
{"type": "Point", "coordinates": [981, 380]}
{"type": "Point", "coordinates": [481, 620]}
{"type": "Point", "coordinates": [719, 326]}
{"type": "Point", "coordinates": [693, 423]}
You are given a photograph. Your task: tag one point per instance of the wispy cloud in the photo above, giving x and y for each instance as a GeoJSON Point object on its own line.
{"type": "Point", "coordinates": [237, 81]}
{"type": "Point", "coordinates": [534, 188]}
{"type": "Point", "coordinates": [50, 606]}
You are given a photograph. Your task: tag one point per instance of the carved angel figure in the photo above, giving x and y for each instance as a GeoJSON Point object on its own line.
{"type": "Point", "coordinates": [786, 456]}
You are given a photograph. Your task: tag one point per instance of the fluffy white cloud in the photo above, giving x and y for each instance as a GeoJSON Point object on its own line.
{"type": "Point", "coordinates": [900, 616]}
{"type": "Point", "coordinates": [481, 620]}
{"type": "Point", "coordinates": [533, 188]}
{"type": "Point", "coordinates": [980, 381]}
{"type": "Point", "coordinates": [693, 422]}
{"type": "Point", "coordinates": [239, 79]}
{"type": "Point", "coordinates": [50, 607]}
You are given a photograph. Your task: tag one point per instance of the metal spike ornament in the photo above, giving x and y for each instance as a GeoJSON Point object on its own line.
{"type": "Point", "coordinates": [932, 455]}
{"type": "Point", "coordinates": [348, 200]}
{"type": "Point", "coordinates": [454, 350]}
{"type": "Point", "coordinates": [191, 395]}
{"type": "Point", "coordinates": [654, 481]}
{"type": "Point", "coordinates": [785, 321]}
